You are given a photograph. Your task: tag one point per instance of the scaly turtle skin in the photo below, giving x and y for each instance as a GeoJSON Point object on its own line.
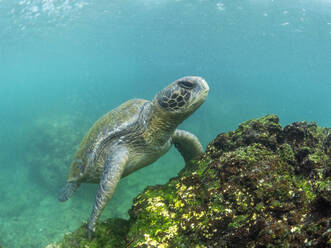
{"type": "Point", "coordinates": [132, 136]}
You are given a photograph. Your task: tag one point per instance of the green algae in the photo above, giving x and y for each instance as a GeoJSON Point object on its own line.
{"type": "Point", "coordinates": [286, 153]}
{"type": "Point", "coordinates": [109, 234]}
{"type": "Point", "coordinates": [259, 186]}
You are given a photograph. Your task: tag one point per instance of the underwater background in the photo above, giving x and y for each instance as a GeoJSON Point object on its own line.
{"type": "Point", "coordinates": [65, 63]}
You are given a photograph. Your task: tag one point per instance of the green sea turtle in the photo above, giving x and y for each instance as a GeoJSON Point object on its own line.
{"type": "Point", "coordinates": [132, 136]}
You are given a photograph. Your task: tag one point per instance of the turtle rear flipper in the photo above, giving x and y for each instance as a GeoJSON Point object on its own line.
{"type": "Point", "coordinates": [68, 190]}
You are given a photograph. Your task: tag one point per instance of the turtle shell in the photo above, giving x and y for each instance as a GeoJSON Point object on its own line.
{"type": "Point", "coordinates": [105, 128]}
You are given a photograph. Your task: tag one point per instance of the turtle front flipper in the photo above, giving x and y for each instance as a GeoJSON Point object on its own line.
{"type": "Point", "coordinates": [68, 190]}
{"type": "Point", "coordinates": [187, 144]}
{"type": "Point", "coordinates": [111, 175]}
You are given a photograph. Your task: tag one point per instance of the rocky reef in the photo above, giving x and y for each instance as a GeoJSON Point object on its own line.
{"type": "Point", "coordinates": [259, 186]}
{"type": "Point", "coordinates": [50, 143]}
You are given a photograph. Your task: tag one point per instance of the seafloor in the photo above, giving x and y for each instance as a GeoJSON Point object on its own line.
{"type": "Point", "coordinates": [259, 186]}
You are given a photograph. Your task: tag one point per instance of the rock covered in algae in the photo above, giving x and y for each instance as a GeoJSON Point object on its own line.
{"type": "Point", "coordinates": [259, 186]}
{"type": "Point", "coordinates": [109, 234]}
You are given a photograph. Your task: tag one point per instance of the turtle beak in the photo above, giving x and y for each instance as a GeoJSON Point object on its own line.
{"type": "Point", "coordinates": [205, 87]}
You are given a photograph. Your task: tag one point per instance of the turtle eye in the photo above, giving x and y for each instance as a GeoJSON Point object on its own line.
{"type": "Point", "coordinates": [186, 85]}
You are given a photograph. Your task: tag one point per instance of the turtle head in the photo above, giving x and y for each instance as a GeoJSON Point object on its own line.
{"type": "Point", "coordinates": [183, 96]}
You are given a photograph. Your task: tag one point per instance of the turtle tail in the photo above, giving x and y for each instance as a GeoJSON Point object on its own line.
{"type": "Point", "coordinates": [68, 190]}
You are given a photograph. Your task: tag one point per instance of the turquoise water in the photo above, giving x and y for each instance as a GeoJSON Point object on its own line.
{"type": "Point", "coordinates": [64, 63]}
